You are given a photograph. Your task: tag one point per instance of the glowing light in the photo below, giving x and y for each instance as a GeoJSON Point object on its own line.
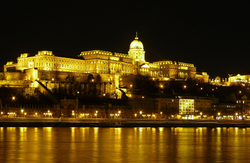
{"type": "Point", "coordinates": [145, 66]}
{"type": "Point", "coordinates": [13, 98]}
{"type": "Point", "coordinates": [184, 86]}
{"type": "Point", "coordinates": [140, 112]}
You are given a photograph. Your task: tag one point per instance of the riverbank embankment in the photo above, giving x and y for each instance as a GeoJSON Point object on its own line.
{"type": "Point", "coordinates": [98, 122]}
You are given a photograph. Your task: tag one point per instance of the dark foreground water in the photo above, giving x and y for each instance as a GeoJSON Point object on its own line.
{"type": "Point", "coordinates": [86, 144]}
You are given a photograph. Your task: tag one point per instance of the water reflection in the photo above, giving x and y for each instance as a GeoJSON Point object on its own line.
{"type": "Point", "coordinates": [139, 144]}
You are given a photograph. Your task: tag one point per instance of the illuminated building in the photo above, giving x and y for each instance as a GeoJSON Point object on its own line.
{"type": "Point", "coordinates": [184, 106]}
{"type": "Point", "coordinates": [45, 66]}
{"type": "Point", "coordinates": [239, 79]}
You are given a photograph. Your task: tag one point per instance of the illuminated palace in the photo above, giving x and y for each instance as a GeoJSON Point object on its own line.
{"type": "Point", "coordinates": [46, 68]}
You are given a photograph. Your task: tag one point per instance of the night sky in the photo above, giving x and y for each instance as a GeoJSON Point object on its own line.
{"type": "Point", "coordinates": [213, 35]}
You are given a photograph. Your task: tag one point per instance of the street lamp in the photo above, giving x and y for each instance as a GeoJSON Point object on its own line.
{"type": "Point", "coordinates": [22, 111]}
{"type": "Point", "coordinates": [236, 114]}
{"type": "Point", "coordinates": [96, 112]}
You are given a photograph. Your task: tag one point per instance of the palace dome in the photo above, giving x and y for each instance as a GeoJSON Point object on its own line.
{"type": "Point", "coordinates": [136, 44]}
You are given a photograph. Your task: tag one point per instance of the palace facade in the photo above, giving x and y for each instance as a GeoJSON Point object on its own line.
{"type": "Point", "coordinates": [109, 65]}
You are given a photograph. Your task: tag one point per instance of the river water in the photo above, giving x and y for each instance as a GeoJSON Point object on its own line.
{"type": "Point", "coordinates": [139, 144]}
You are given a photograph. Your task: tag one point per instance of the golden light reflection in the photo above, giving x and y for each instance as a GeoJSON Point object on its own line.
{"type": "Point", "coordinates": [23, 134]}
{"type": "Point", "coordinates": [218, 142]}
{"type": "Point", "coordinates": [48, 131]}
{"type": "Point", "coordinates": [11, 128]}
{"type": "Point", "coordinates": [1, 134]}
{"type": "Point", "coordinates": [243, 130]}
{"type": "Point", "coordinates": [35, 134]}
{"type": "Point", "coordinates": [73, 133]}
{"type": "Point", "coordinates": [135, 131]}
{"type": "Point", "coordinates": [117, 136]}
{"type": "Point", "coordinates": [96, 133]}
{"type": "Point", "coordinates": [236, 131]}
{"type": "Point", "coordinates": [200, 131]}
{"type": "Point", "coordinates": [138, 144]}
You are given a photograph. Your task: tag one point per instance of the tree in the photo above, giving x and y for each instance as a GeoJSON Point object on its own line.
{"type": "Point", "coordinates": [144, 85]}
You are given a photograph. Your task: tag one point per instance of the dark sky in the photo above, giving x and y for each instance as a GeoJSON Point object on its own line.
{"type": "Point", "coordinates": [213, 35]}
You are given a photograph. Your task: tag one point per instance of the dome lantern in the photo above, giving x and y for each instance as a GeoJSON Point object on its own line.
{"type": "Point", "coordinates": [136, 44]}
